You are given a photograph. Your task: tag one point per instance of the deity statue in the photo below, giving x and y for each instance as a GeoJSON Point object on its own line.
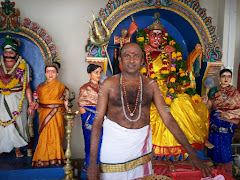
{"type": "Point", "coordinates": [164, 64]}
{"type": "Point", "coordinates": [15, 98]}
{"type": "Point", "coordinates": [51, 103]}
{"type": "Point", "coordinates": [87, 101]}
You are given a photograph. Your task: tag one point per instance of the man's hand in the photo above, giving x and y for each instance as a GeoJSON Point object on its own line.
{"type": "Point", "coordinates": [196, 162]}
{"type": "Point", "coordinates": [93, 172]}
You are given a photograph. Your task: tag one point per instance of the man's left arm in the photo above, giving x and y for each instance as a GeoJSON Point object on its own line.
{"type": "Point", "coordinates": [174, 128]}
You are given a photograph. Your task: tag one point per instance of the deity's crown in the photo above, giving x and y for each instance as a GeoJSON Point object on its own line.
{"type": "Point", "coordinates": [156, 24]}
{"type": "Point", "coordinates": [10, 43]}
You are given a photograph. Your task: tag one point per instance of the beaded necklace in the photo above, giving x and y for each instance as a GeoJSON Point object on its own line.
{"type": "Point", "coordinates": [122, 88]}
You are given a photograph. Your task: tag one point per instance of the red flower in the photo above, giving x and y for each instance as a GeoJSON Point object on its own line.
{"type": "Point", "coordinates": [7, 76]}
{"type": "Point", "coordinates": [146, 30]}
{"type": "Point", "coordinates": [150, 66]}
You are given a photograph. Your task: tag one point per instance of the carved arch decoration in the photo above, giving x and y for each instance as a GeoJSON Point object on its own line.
{"type": "Point", "coordinates": [117, 10]}
{"type": "Point", "coordinates": [10, 23]}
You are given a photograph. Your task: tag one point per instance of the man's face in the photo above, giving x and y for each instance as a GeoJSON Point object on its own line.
{"type": "Point", "coordinates": [155, 38]}
{"type": "Point", "coordinates": [131, 58]}
{"type": "Point", "coordinates": [95, 75]}
{"type": "Point", "coordinates": [51, 74]}
{"type": "Point", "coordinates": [225, 79]}
{"type": "Point", "coordinates": [9, 55]}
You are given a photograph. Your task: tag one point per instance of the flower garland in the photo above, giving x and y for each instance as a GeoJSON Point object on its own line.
{"type": "Point", "coordinates": [16, 113]}
{"type": "Point", "coordinates": [6, 89]}
{"type": "Point", "coordinates": [178, 80]}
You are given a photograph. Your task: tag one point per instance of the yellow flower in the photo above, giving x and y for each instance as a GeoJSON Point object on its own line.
{"type": "Point", "coordinates": [168, 100]}
{"type": "Point", "coordinates": [179, 53]}
{"type": "Point", "coordinates": [153, 76]}
{"type": "Point", "coordinates": [172, 42]}
{"type": "Point", "coordinates": [174, 55]}
{"type": "Point", "coordinates": [171, 90]}
{"type": "Point", "coordinates": [182, 74]}
{"type": "Point", "coordinates": [143, 70]}
{"type": "Point", "coordinates": [196, 98]}
{"type": "Point", "coordinates": [165, 71]}
{"type": "Point", "coordinates": [179, 58]}
{"type": "Point", "coordinates": [180, 70]}
{"type": "Point", "coordinates": [173, 80]}
{"type": "Point", "coordinates": [140, 39]}
{"type": "Point", "coordinates": [184, 82]}
{"type": "Point", "coordinates": [173, 69]}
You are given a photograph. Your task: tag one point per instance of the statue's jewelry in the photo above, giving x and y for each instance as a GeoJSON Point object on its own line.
{"type": "Point", "coordinates": [139, 97]}
{"type": "Point", "coordinates": [224, 94]}
{"type": "Point", "coordinates": [16, 113]}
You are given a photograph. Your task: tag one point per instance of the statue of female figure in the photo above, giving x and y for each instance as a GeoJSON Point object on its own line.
{"type": "Point", "coordinates": [87, 101]}
{"type": "Point", "coordinates": [224, 102]}
{"type": "Point", "coordinates": [51, 102]}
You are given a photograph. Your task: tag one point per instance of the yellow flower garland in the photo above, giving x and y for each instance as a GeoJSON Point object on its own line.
{"type": "Point", "coordinates": [23, 64]}
{"type": "Point", "coordinates": [14, 82]}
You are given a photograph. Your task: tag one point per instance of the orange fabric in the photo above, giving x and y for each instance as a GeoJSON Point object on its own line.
{"type": "Point", "coordinates": [49, 150]}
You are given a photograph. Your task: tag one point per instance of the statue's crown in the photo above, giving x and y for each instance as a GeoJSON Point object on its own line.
{"type": "Point", "coordinates": [156, 24]}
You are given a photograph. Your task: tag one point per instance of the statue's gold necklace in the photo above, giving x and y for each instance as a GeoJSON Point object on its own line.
{"type": "Point", "coordinates": [139, 97]}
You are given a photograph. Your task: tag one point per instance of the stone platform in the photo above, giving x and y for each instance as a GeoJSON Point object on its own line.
{"type": "Point", "coordinates": [12, 168]}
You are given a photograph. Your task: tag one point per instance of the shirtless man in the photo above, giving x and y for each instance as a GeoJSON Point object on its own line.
{"type": "Point", "coordinates": [124, 112]}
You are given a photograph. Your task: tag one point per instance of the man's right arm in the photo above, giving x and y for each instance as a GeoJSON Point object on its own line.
{"type": "Point", "coordinates": [93, 171]}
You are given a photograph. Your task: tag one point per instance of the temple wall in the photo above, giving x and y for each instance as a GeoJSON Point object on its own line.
{"type": "Point", "coordinates": [66, 22]}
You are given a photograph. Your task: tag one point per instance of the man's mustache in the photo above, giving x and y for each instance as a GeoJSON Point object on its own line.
{"type": "Point", "coordinates": [9, 57]}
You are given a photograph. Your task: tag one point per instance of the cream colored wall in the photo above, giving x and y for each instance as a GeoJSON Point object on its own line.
{"type": "Point", "coordinates": [66, 22]}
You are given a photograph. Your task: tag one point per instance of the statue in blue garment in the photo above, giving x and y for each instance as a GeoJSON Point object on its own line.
{"type": "Point", "coordinates": [87, 101]}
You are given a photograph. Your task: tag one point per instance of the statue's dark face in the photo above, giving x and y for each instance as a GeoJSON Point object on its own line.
{"type": "Point", "coordinates": [155, 38]}
{"type": "Point", "coordinates": [9, 57]}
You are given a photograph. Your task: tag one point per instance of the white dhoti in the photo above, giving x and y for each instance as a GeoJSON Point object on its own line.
{"type": "Point", "coordinates": [125, 153]}
{"type": "Point", "coordinates": [13, 135]}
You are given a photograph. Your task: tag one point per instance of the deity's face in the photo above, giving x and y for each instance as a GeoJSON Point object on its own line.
{"type": "Point", "coordinates": [131, 58]}
{"type": "Point", "coordinates": [225, 79]}
{"type": "Point", "coordinates": [10, 57]}
{"type": "Point", "coordinates": [51, 74]}
{"type": "Point", "coordinates": [95, 75]}
{"type": "Point", "coordinates": [155, 38]}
